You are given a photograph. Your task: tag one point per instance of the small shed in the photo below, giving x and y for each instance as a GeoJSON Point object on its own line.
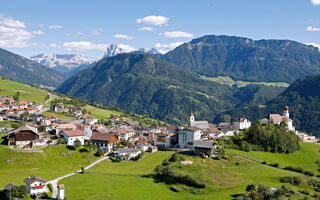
{"type": "Point", "coordinates": [204, 147]}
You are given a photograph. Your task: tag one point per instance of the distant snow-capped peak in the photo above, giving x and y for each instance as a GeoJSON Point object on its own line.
{"type": "Point", "coordinates": [115, 49]}
{"type": "Point", "coordinates": [67, 60]}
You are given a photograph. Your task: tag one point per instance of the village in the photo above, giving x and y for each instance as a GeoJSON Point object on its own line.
{"type": "Point", "coordinates": [119, 139]}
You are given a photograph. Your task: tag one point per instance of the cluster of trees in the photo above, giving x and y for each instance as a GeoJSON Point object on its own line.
{"type": "Point", "coordinates": [262, 192]}
{"type": "Point", "coordinates": [261, 137]}
{"type": "Point", "coordinates": [19, 191]}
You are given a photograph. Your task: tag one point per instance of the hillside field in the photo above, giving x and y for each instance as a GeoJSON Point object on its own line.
{"type": "Point", "coordinates": [305, 158]}
{"type": "Point", "coordinates": [130, 180]}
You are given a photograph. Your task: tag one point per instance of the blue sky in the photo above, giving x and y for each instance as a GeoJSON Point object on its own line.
{"type": "Point", "coordinates": [87, 26]}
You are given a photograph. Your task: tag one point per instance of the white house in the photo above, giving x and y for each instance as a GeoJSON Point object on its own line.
{"type": "Point", "coordinates": [89, 119]}
{"type": "Point", "coordinates": [242, 123]}
{"type": "Point", "coordinates": [187, 136]}
{"type": "Point", "coordinates": [36, 185]}
{"type": "Point", "coordinates": [59, 107]}
{"type": "Point", "coordinates": [142, 143]}
{"type": "Point", "coordinates": [72, 135]}
{"type": "Point", "coordinates": [128, 151]}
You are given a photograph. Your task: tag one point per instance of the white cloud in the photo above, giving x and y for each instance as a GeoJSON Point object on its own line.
{"type": "Point", "coordinates": [80, 46]}
{"type": "Point", "coordinates": [153, 20]}
{"type": "Point", "coordinates": [38, 32]}
{"type": "Point", "coordinates": [53, 45]}
{"type": "Point", "coordinates": [123, 36]}
{"type": "Point", "coordinates": [68, 34]}
{"type": "Point", "coordinates": [13, 33]}
{"type": "Point", "coordinates": [97, 32]}
{"type": "Point", "coordinates": [11, 23]}
{"type": "Point", "coordinates": [126, 48]}
{"type": "Point", "coordinates": [177, 34]}
{"type": "Point", "coordinates": [164, 48]}
{"type": "Point", "coordinates": [79, 33]}
{"type": "Point", "coordinates": [314, 44]}
{"type": "Point", "coordinates": [147, 28]}
{"type": "Point", "coordinates": [311, 28]}
{"type": "Point", "coordinates": [55, 27]}
{"type": "Point", "coordinates": [315, 2]}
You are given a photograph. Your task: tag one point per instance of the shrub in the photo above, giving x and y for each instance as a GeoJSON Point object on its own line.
{"type": "Point", "coordinates": [292, 180]}
{"type": "Point", "coordinates": [264, 162]}
{"type": "Point", "coordinates": [175, 188]}
{"type": "Point", "coordinates": [115, 159]}
{"type": "Point", "coordinates": [250, 188]}
{"type": "Point", "coordinates": [308, 173]}
{"type": "Point", "coordinates": [274, 165]}
{"type": "Point", "coordinates": [304, 192]}
{"type": "Point", "coordinates": [99, 153]}
{"type": "Point", "coordinates": [295, 169]}
{"type": "Point", "coordinates": [177, 157]}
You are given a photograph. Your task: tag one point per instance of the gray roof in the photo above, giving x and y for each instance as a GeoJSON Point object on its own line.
{"type": "Point", "coordinates": [200, 124]}
{"type": "Point", "coordinates": [9, 186]}
{"type": "Point", "coordinates": [31, 179]}
{"type": "Point", "coordinates": [128, 150]}
{"type": "Point", "coordinates": [203, 144]}
{"type": "Point", "coordinates": [25, 127]}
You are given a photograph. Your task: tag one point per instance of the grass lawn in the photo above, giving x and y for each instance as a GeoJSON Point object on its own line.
{"type": "Point", "coordinates": [101, 113]}
{"type": "Point", "coordinates": [229, 81]}
{"type": "Point", "coordinates": [60, 115]}
{"type": "Point", "coordinates": [10, 88]}
{"type": "Point", "coordinates": [126, 181]}
{"type": "Point", "coordinates": [16, 166]}
{"type": "Point", "coordinates": [305, 157]}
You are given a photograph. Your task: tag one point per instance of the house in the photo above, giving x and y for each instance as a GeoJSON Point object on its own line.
{"type": "Point", "coordinates": [39, 106]}
{"type": "Point", "coordinates": [242, 123]}
{"type": "Point", "coordinates": [61, 192]}
{"type": "Point", "coordinates": [77, 113]}
{"type": "Point", "coordinates": [115, 119]}
{"type": "Point", "coordinates": [70, 108]}
{"type": "Point", "coordinates": [87, 129]}
{"type": "Point", "coordinates": [31, 110]}
{"type": "Point", "coordinates": [52, 118]}
{"type": "Point", "coordinates": [198, 124]}
{"type": "Point", "coordinates": [277, 119]}
{"type": "Point", "coordinates": [125, 133]}
{"type": "Point", "coordinates": [8, 112]}
{"type": "Point", "coordinates": [59, 107]}
{"type": "Point", "coordinates": [60, 127]}
{"type": "Point", "coordinates": [187, 136]}
{"type": "Point", "coordinates": [25, 136]}
{"type": "Point", "coordinates": [72, 135]}
{"type": "Point", "coordinates": [205, 147]}
{"type": "Point", "coordinates": [162, 139]}
{"type": "Point", "coordinates": [6, 100]}
{"type": "Point", "coordinates": [142, 143]}
{"type": "Point", "coordinates": [26, 102]}
{"type": "Point", "coordinates": [36, 185]}
{"type": "Point", "coordinates": [104, 141]}
{"type": "Point", "coordinates": [128, 153]}
{"type": "Point", "coordinates": [89, 119]}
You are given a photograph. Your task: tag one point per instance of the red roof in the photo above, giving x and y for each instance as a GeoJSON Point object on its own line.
{"type": "Point", "coordinates": [286, 108]}
{"type": "Point", "coordinates": [71, 133]}
{"type": "Point", "coordinates": [87, 116]}
{"type": "Point", "coordinates": [96, 135]}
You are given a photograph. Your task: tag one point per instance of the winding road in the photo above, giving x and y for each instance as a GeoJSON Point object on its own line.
{"type": "Point", "coordinates": [55, 182]}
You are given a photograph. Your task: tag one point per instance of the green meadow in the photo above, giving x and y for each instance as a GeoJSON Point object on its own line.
{"type": "Point", "coordinates": [305, 158]}
{"type": "Point", "coordinates": [130, 180]}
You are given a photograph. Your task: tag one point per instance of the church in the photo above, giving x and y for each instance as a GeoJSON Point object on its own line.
{"type": "Point", "coordinates": [198, 124]}
{"type": "Point", "coordinates": [277, 119]}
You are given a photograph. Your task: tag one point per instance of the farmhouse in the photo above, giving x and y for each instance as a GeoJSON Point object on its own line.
{"type": "Point", "coordinates": [72, 135]}
{"type": "Point", "coordinates": [25, 136]}
{"type": "Point", "coordinates": [142, 143]}
{"type": "Point", "coordinates": [36, 185]}
{"type": "Point", "coordinates": [242, 123]}
{"type": "Point", "coordinates": [59, 107]}
{"type": "Point", "coordinates": [128, 153]}
{"type": "Point", "coordinates": [104, 141]}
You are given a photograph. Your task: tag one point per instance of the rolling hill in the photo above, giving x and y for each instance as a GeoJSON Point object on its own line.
{"type": "Point", "coordinates": [23, 70]}
{"type": "Point", "coordinates": [246, 59]}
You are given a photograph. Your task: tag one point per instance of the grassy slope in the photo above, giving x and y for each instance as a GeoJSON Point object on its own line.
{"type": "Point", "coordinates": [60, 115]}
{"type": "Point", "coordinates": [9, 88]}
{"type": "Point", "coordinates": [48, 165]}
{"type": "Point", "coordinates": [305, 157]}
{"type": "Point", "coordinates": [125, 181]}
{"type": "Point", "coordinates": [229, 81]}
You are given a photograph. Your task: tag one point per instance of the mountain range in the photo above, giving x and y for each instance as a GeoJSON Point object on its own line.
{"type": "Point", "coordinates": [146, 84]}
{"type": "Point", "coordinates": [23, 70]}
{"type": "Point", "coordinates": [246, 59]}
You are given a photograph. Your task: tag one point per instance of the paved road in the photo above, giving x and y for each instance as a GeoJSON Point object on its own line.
{"type": "Point", "coordinates": [55, 182]}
